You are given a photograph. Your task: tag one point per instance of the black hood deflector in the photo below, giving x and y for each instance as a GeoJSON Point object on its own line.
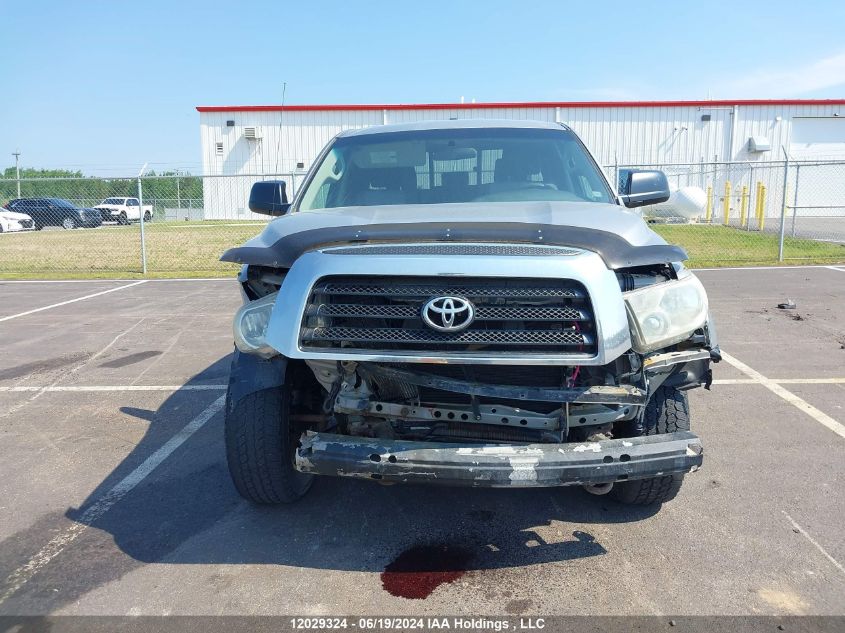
{"type": "Point", "coordinates": [613, 249]}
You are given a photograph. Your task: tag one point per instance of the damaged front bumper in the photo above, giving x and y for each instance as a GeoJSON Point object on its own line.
{"type": "Point", "coordinates": [526, 465]}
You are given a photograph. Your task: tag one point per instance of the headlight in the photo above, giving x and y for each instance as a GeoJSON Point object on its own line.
{"type": "Point", "coordinates": [250, 326]}
{"type": "Point", "coordinates": [666, 313]}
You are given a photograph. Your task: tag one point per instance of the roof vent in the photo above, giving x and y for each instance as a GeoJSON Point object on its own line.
{"type": "Point", "coordinates": [252, 133]}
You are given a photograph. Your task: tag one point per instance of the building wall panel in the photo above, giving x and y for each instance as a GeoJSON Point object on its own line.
{"type": "Point", "coordinates": [661, 134]}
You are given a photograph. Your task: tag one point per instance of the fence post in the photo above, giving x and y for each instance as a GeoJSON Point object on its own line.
{"type": "Point", "coordinates": [795, 200]}
{"type": "Point", "coordinates": [615, 173]}
{"type": "Point", "coordinates": [141, 213]}
{"type": "Point", "coordinates": [708, 218]}
{"type": "Point", "coordinates": [783, 209]}
{"type": "Point", "coordinates": [726, 203]}
{"type": "Point", "coordinates": [743, 207]}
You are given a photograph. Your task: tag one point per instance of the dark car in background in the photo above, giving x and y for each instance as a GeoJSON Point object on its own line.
{"type": "Point", "coordinates": [56, 212]}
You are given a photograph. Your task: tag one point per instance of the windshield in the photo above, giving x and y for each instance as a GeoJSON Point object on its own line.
{"type": "Point", "coordinates": [455, 165]}
{"type": "Point", "coordinates": [62, 204]}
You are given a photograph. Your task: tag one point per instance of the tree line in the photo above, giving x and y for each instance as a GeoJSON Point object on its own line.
{"type": "Point", "coordinates": [171, 186]}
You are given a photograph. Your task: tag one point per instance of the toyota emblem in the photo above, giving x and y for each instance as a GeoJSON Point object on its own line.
{"type": "Point", "coordinates": [448, 314]}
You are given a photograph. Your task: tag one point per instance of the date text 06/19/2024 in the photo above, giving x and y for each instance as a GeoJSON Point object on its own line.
{"type": "Point", "coordinates": [418, 623]}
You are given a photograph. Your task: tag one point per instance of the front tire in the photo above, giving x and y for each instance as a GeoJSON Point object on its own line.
{"type": "Point", "coordinates": [148, 216]}
{"type": "Point", "coordinates": [260, 445]}
{"type": "Point", "coordinates": [68, 224]}
{"type": "Point", "coordinates": [122, 219]}
{"type": "Point", "coordinates": [666, 412]}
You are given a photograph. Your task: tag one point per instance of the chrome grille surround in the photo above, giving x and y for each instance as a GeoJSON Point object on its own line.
{"type": "Point", "coordinates": [605, 309]}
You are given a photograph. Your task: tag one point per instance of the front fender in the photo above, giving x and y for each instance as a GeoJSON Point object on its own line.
{"type": "Point", "coordinates": [250, 373]}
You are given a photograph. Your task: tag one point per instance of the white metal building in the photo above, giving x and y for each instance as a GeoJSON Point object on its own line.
{"type": "Point", "coordinates": [241, 144]}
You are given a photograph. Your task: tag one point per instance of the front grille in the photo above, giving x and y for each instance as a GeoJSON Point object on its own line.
{"type": "Point", "coordinates": [384, 314]}
{"type": "Point", "coordinates": [26, 224]}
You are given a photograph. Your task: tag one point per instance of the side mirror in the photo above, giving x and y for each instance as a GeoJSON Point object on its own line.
{"type": "Point", "coordinates": [269, 197]}
{"type": "Point", "coordinates": [639, 187]}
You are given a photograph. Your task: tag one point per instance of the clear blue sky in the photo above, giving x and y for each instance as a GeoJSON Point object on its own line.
{"type": "Point", "coordinates": [106, 86]}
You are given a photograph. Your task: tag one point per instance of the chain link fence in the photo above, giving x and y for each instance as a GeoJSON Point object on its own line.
{"type": "Point", "coordinates": [753, 212]}
{"type": "Point", "coordinates": [745, 213]}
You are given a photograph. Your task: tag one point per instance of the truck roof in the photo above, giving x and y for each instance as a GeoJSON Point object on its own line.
{"type": "Point", "coordinates": [452, 124]}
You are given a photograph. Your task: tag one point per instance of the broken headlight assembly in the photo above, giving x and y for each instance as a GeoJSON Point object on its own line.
{"type": "Point", "coordinates": [250, 326]}
{"type": "Point", "coordinates": [666, 313]}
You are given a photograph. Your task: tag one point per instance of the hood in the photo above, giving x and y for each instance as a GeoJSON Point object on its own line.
{"type": "Point", "coordinates": [13, 215]}
{"type": "Point", "coordinates": [620, 236]}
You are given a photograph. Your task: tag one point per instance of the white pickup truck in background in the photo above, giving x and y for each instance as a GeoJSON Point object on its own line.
{"type": "Point", "coordinates": [124, 210]}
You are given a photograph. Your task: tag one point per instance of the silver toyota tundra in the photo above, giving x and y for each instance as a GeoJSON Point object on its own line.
{"type": "Point", "coordinates": [465, 303]}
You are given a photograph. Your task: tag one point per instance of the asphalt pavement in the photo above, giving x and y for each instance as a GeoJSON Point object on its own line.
{"type": "Point", "coordinates": [115, 499]}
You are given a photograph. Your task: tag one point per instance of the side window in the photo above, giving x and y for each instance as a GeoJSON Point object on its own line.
{"type": "Point", "coordinates": [322, 187]}
{"type": "Point", "coordinates": [322, 196]}
{"type": "Point", "coordinates": [587, 183]}
{"type": "Point", "coordinates": [131, 202]}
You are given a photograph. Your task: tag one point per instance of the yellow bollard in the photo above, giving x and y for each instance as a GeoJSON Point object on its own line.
{"type": "Point", "coordinates": [743, 207]}
{"type": "Point", "coordinates": [762, 222]}
{"type": "Point", "coordinates": [709, 215]}
{"type": "Point", "coordinates": [757, 200]}
{"type": "Point", "coordinates": [727, 201]}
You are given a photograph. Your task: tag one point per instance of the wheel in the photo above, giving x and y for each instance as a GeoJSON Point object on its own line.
{"type": "Point", "coordinates": [260, 444]}
{"type": "Point", "coordinates": [1, 228]}
{"type": "Point", "coordinates": [122, 219]}
{"type": "Point", "coordinates": [147, 216]}
{"type": "Point", "coordinates": [666, 412]}
{"type": "Point", "coordinates": [68, 223]}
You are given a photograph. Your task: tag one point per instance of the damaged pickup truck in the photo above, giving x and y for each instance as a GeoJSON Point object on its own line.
{"type": "Point", "coordinates": [465, 303]}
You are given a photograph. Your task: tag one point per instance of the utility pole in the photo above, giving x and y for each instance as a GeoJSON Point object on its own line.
{"type": "Point", "coordinates": [17, 154]}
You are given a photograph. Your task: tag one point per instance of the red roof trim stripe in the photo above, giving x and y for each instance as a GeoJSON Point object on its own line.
{"type": "Point", "coordinates": [516, 104]}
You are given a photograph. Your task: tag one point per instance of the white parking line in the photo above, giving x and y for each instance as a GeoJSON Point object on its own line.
{"type": "Point", "coordinates": [808, 381]}
{"type": "Point", "coordinates": [23, 574]}
{"type": "Point", "coordinates": [64, 303]}
{"type": "Point", "coordinates": [39, 391]}
{"type": "Point", "coordinates": [781, 381]}
{"type": "Point", "coordinates": [839, 268]}
{"type": "Point", "coordinates": [791, 398]}
{"type": "Point", "coordinates": [804, 533]}
{"type": "Point", "coordinates": [89, 388]}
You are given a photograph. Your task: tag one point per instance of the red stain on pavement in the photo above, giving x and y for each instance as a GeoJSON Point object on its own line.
{"type": "Point", "coordinates": [418, 571]}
